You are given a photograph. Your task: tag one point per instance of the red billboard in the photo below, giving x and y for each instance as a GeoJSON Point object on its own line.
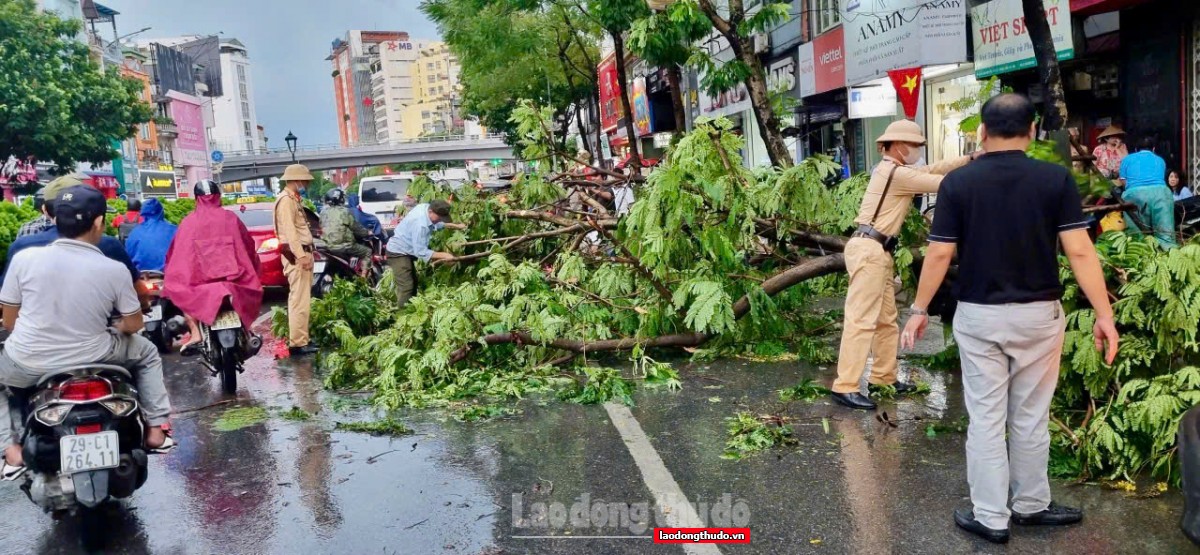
{"type": "Point", "coordinates": [829, 61]}
{"type": "Point", "coordinates": [610, 94]}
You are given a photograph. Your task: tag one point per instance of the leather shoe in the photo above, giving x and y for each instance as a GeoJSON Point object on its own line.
{"type": "Point", "coordinates": [1053, 515]}
{"type": "Point", "coordinates": [966, 520]}
{"type": "Point", "coordinates": [306, 350]}
{"type": "Point", "coordinates": [854, 400]}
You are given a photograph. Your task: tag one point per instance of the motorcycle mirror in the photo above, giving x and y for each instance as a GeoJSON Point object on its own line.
{"type": "Point", "coordinates": [243, 208]}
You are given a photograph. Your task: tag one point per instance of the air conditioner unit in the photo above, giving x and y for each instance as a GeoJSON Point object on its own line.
{"type": "Point", "coordinates": [762, 43]}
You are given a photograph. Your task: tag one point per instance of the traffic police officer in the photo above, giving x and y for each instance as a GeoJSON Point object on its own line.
{"type": "Point", "coordinates": [296, 247]}
{"type": "Point", "coordinates": [870, 321]}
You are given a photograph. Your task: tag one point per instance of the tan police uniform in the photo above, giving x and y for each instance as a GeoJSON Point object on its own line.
{"type": "Point", "coordinates": [870, 319]}
{"type": "Point", "coordinates": [291, 227]}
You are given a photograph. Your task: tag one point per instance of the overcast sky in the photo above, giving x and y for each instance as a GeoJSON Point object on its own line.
{"type": "Point", "coordinates": [288, 41]}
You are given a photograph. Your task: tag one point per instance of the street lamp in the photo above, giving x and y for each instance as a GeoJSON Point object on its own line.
{"type": "Point", "coordinates": [290, 139]}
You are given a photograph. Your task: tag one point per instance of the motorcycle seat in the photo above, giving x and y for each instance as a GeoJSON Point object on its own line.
{"type": "Point", "coordinates": [85, 369]}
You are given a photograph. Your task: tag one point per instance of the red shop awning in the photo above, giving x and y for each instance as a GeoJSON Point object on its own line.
{"type": "Point", "coordinates": [1093, 7]}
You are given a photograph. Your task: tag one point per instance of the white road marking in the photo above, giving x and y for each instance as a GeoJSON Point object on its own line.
{"type": "Point", "coordinates": [657, 478]}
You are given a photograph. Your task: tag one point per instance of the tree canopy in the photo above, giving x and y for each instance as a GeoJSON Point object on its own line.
{"type": "Point", "coordinates": [518, 49]}
{"type": "Point", "coordinates": [56, 104]}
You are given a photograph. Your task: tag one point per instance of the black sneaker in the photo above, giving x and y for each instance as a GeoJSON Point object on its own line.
{"type": "Point", "coordinates": [966, 520]}
{"type": "Point", "coordinates": [306, 350]}
{"type": "Point", "coordinates": [854, 400]}
{"type": "Point", "coordinates": [1053, 515]}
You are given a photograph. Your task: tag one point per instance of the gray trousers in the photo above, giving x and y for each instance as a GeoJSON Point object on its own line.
{"type": "Point", "coordinates": [134, 352]}
{"type": "Point", "coordinates": [1010, 359]}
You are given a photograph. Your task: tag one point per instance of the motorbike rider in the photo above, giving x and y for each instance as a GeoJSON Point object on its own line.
{"type": "Point", "coordinates": [110, 246]}
{"type": "Point", "coordinates": [341, 232]}
{"type": "Point", "coordinates": [367, 220]}
{"type": "Point", "coordinates": [148, 243]}
{"type": "Point", "coordinates": [127, 222]}
{"type": "Point", "coordinates": [212, 257]}
{"type": "Point", "coordinates": [57, 302]}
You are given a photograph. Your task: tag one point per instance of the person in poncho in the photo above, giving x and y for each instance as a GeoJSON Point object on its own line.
{"type": "Point", "coordinates": [148, 243]}
{"type": "Point", "coordinates": [212, 258]}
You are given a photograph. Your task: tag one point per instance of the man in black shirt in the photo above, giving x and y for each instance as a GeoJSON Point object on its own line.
{"type": "Point", "coordinates": [1005, 215]}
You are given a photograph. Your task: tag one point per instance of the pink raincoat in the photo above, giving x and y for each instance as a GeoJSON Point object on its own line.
{"type": "Point", "coordinates": [213, 257]}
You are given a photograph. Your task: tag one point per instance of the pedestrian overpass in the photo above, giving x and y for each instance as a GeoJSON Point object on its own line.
{"type": "Point", "coordinates": [254, 164]}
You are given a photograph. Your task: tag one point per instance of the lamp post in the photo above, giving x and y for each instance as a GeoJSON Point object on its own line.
{"type": "Point", "coordinates": [290, 139]}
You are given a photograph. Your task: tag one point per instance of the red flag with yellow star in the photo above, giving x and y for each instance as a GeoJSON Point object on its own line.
{"type": "Point", "coordinates": [908, 88]}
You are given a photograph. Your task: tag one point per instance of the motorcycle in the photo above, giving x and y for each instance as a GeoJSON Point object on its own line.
{"type": "Point", "coordinates": [83, 439]}
{"type": "Point", "coordinates": [226, 345]}
{"type": "Point", "coordinates": [328, 266]}
{"type": "Point", "coordinates": [164, 323]}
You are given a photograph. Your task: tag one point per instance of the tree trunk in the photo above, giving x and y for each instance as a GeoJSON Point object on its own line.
{"type": "Point", "coordinates": [756, 82]}
{"type": "Point", "coordinates": [599, 159]}
{"type": "Point", "coordinates": [635, 159]}
{"type": "Point", "coordinates": [1055, 117]}
{"type": "Point", "coordinates": [675, 78]}
{"type": "Point", "coordinates": [583, 132]}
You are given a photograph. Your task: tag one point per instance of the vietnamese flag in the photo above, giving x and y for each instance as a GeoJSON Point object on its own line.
{"type": "Point", "coordinates": [908, 88]}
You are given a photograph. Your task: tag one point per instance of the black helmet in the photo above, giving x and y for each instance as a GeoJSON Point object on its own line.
{"type": "Point", "coordinates": [335, 197]}
{"type": "Point", "coordinates": [206, 187]}
{"type": "Point", "coordinates": [134, 205]}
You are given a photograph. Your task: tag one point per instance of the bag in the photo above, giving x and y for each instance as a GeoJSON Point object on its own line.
{"type": "Point", "coordinates": [1113, 221]}
{"type": "Point", "coordinates": [125, 229]}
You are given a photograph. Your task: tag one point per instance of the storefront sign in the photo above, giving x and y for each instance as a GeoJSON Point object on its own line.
{"type": "Point", "coordinates": [641, 107]}
{"type": "Point", "coordinates": [15, 173]}
{"type": "Point", "coordinates": [823, 64]}
{"type": "Point", "coordinates": [605, 147]}
{"type": "Point", "coordinates": [886, 34]}
{"type": "Point", "coordinates": [610, 95]}
{"type": "Point", "coordinates": [781, 76]}
{"type": "Point", "coordinates": [872, 102]}
{"type": "Point", "coordinates": [729, 102]}
{"type": "Point", "coordinates": [1002, 42]}
{"type": "Point", "coordinates": [662, 140]}
{"type": "Point", "coordinates": [157, 183]}
{"type": "Point", "coordinates": [806, 71]}
{"type": "Point", "coordinates": [191, 146]}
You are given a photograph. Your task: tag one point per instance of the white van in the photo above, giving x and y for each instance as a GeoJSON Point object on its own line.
{"type": "Point", "coordinates": [381, 194]}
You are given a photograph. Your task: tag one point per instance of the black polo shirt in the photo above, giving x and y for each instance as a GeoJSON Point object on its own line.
{"type": "Point", "coordinates": [1005, 211]}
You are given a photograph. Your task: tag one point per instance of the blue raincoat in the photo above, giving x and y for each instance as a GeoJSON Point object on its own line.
{"type": "Point", "coordinates": [368, 221]}
{"type": "Point", "coordinates": [148, 243]}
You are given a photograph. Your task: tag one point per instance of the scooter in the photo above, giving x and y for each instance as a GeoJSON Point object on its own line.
{"type": "Point", "coordinates": [328, 266]}
{"type": "Point", "coordinates": [164, 323]}
{"type": "Point", "coordinates": [226, 345]}
{"type": "Point", "coordinates": [83, 440]}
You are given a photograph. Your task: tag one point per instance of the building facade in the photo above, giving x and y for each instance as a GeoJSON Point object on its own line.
{"type": "Point", "coordinates": [353, 94]}
{"type": "Point", "coordinates": [235, 115]}
{"type": "Point", "coordinates": [436, 96]}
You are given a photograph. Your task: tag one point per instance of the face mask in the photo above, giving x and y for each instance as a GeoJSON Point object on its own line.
{"type": "Point", "coordinates": [913, 156]}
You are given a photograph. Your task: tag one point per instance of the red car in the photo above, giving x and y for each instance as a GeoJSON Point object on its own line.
{"type": "Point", "coordinates": [259, 219]}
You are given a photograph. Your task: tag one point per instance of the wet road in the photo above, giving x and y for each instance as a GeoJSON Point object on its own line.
{"type": "Point", "coordinates": [518, 484]}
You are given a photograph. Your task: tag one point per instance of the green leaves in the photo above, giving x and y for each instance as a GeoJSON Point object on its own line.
{"type": "Point", "coordinates": [748, 435]}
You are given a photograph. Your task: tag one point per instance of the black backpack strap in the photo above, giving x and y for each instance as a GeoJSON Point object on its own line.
{"type": "Point", "coordinates": [882, 196]}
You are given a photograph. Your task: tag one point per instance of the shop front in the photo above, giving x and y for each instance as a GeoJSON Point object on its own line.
{"type": "Point", "coordinates": [733, 104]}
{"type": "Point", "coordinates": [821, 115]}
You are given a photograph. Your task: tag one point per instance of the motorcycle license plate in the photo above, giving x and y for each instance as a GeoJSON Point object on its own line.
{"type": "Point", "coordinates": [155, 314]}
{"type": "Point", "coordinates": [89, 452]}
{"type": "Point", "coordinates": [227, 321]}
{"type": "Point", "coordinates": [319, 267]}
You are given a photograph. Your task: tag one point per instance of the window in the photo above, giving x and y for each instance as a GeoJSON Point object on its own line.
{"type": "Point", "coordinates": [242, 90]}
{"type": "Point", "coordinates": [825, 15]}
{"type": "Point", "coordinates": [249, 144]}
{"type": "Point", "coordinates": [431, 90]}
{"type": "Point", "coordinates": [439, 65]}
{"type": "Point", "coordinates": [431, 78]}
{"type": "Point", "coordinates": [145, 129]}
{"type": "Point", "coordinates": [241, 69]}
{"type": "Point", "coordinates": [425, 115]}
{"type": "Point", "coordinates": [441, 89]}
{"type": "Point", "coordinates": [245, 110]}
{"type": "Point", "coordinates": [246, 128]}
{"type": "Point", "coordinates": [429, 66]}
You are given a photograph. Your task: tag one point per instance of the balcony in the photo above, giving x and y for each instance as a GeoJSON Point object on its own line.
{"type": "Point", "coordinates": [167, 130]}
